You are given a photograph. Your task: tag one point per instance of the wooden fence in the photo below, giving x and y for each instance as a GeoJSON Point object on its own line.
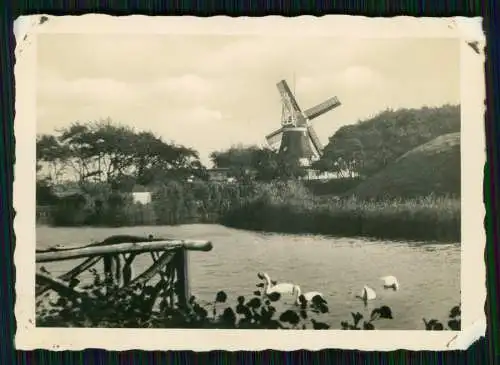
{"type": "Point", "coordinates": [170, 263]}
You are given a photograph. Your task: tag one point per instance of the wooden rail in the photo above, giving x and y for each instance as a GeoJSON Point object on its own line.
{"type": "Point", "coordinates": [68, 253]}
{"type": "Point", "coordinates": [170, 263]}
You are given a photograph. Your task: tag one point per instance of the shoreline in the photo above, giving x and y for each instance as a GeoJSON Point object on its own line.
{"type": "Point", "coordinates": [452, 238]}
{"type": "Point", "coordinates": [436, 219]}
{"type": "Point", "coordinates": [280, 207]}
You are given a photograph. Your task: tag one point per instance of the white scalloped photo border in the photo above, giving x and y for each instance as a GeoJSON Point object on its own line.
{"type": "Point", "coordinates": [473, 270]}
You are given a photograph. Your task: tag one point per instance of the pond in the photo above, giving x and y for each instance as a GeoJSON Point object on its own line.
{"type": "Point", "coordinates": [428, 272]}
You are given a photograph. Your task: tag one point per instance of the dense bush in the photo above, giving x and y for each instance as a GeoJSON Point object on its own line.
{"type": "Point", "coordinates": [70, 210]}
{"type": "Point", "coordinates": [98, 204]}
{"type": "Point", "coordinates": [173, 202]}
{"type": "Point", "coordinates": [44, 194]}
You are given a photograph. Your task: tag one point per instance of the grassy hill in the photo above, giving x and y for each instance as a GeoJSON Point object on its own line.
{"type": "Point", "coordinates": [431, 168]}
{"type": "Point", "coordinates": [377, 142]}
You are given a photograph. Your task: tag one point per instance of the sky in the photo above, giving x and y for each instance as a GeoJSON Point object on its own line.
{"type": "Point", "coordinates": [210, 92]}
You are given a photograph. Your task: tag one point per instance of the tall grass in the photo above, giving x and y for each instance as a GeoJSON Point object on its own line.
{"type": "Point", "coordinates": [287, 207]}
{"type": "Point", "coordinates": [290, 208]}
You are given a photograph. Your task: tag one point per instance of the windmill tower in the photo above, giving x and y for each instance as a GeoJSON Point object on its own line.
{"type": "Point", "coordinates": [296, 134]}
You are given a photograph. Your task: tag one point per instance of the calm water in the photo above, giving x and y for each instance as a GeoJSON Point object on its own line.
{"type": "Point", "coordinates": [429, 273]}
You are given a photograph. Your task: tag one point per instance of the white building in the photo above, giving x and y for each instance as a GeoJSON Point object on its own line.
{"type": "Point", "coordinates": [140, 195]}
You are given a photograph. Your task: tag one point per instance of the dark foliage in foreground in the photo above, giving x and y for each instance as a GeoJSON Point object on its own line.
{"type": "Point", "coordinates": [454, 321]}
{"type": "Point", "coordinates": [378, 313]}
{"type": "Point", "coordinates": [108, 306]}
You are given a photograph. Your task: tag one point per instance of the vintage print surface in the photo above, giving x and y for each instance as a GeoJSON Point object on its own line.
{"type": "Point", "coordinates": [209, 180]}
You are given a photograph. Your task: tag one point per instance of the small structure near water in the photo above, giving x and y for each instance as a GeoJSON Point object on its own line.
{"type": "Point", "coordinates": [141, 195]}
{"type": "Point", "coordinates": [219, 174]}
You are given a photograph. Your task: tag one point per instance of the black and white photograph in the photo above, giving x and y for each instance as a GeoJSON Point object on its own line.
{"type": "Point", "coordinates": [219, 176]}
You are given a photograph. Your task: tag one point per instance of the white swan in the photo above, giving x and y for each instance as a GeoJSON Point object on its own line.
{"type": "Point", "coordinates": [308, 297]}
{"type": "Point", "coordinates": [281, 288]}
{"type": "Point", "coordinates": [367, 294]}
{"type": "Point", "coordinates": [390, 282]}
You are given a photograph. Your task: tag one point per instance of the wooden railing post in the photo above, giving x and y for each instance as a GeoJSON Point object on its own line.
{"type": "Point", "coordinates": [183, 277]}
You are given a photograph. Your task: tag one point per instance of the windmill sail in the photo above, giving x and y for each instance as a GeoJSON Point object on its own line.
{"type": "Point", "coordinates": [313, 136]}
{"type": "Point", "coordinates": [287, 95]}
{"type": "Point", "coordinates": [291, 110]}
{"type": "Point", "coordinates": [274, 138]}
{"type": "Point", "coordinates": [296, 137]}
{"type": "Point", "coordinates": [322, 108]}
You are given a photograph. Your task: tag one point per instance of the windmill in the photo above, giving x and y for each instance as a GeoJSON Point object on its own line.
{"type": "Point", "coordinates": [297, 136]}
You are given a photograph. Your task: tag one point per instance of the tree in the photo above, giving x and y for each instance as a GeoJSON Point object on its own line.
{"type": "Point", "coordinates": [107, 152]}
{"type": "Point", "coordinates": [51, 153]}
{"type": "Point", "coordinates": [264, 164]}
{"type": "Point", "coordinates": [100, 150]}
{"type": "Point", "coordinates": [346, 158]}
{"type": "Point", "coordinates": [239, 160]}
{"type": "Point", "coordinates": [155, 160]}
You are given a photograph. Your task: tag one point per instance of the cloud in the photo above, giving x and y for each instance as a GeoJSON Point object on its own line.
{"type": "Point", "coordinates": [209, 92]}
{"type": "Point", "coordinates": [248, 55]}
{"type": "Point", "coordinates": [182, 90]}
{"type": "Point", "coordinates": [199, 115]}
{"type": "Point", "coordinates": [188, 84]}
{"type": "Point", "coordinates": [360, 77]}
{"type": "Point", "coordinates": [51, 87]}
{"type": "Point", "coordinates": [305, 83]}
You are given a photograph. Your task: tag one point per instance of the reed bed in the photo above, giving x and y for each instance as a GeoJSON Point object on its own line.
{"type": "Point", "coordinates": [286, 207]}
{"type": "Point", "coordinates": [289, 208]}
